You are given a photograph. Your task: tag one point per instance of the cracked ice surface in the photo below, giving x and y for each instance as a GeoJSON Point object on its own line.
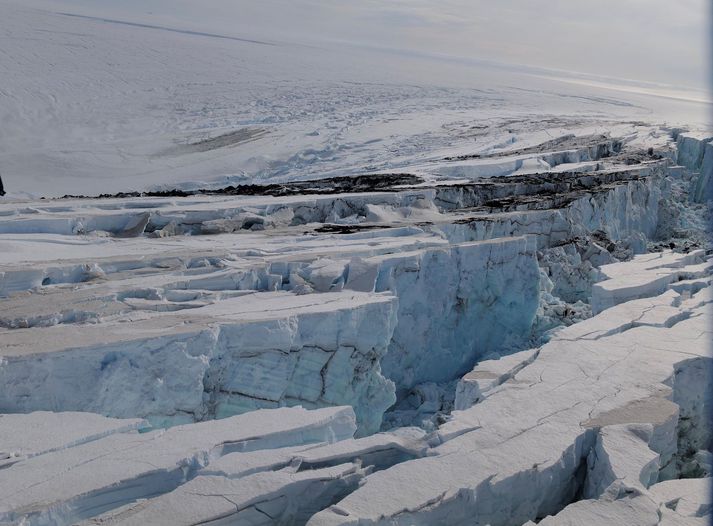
{"type": "Point", "coordinates": [103, 474]}
{"type": "Point", "coordinates": [596, 412]}
{"type": "Point", "coordinates": [258, 350]}
{"type": "Point", "coordinates": [187, 309]}
{"type": "Point", "coordinates": [646, 275]}
{"type": "Point", "coordinates": [599, 409]}
{"type": "Point", "coordinates": [213, 324]}
{"type": "Point", "coordinates": [24, 436]}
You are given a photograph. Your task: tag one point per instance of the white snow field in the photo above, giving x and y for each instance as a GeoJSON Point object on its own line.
{"type": "Point", "coordinates": [98, 104]}
{"type": "Point", "coordinates": [279, 290]}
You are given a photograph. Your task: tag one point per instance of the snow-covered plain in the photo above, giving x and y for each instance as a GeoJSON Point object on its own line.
{"type": "Point", "coordinates": [500, 315]}
{"type": "Point", "coordinates": [95, 105]}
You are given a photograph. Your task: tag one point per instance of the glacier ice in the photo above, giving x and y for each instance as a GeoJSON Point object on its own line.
{"type": "Point", "coordinates": [522, 451]}
{"type": "Point", "coordinates": [480, 269]}
{"type": "Point", "coordinates": [103, 474]}
{"type": "Point", "coordinates": [240, 354]}
{"type": "Point", "coordinates": [230, 354]}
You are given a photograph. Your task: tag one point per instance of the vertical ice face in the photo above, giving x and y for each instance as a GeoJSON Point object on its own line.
{"type": "Point", "coordinates": [265, 350]}
{"type": "Point", "coordinates": [690, 149]}
{"type": "Point", "coordinates": [315, 359]}
{"type": "Point", "coordinates": [695, 152]}
{"type": "Point", "coordinates": [702, 185]}
{"type": "Point", "coordinates": [456, 305]}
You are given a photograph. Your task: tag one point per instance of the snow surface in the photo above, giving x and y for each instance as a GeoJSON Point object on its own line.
{"type": "Point", "coordinates": [128, 106]}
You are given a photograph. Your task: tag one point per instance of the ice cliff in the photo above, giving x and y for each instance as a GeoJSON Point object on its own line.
{"type": "Point", "coordinates": [209, 328]}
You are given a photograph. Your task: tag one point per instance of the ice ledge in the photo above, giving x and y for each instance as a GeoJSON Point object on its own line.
{"type": "Point", "coordinates": [262, 350]}
{"type": "Point", "coordinates": [645, 276]}
{"type": "Point", "coordinates": [108, 473]}
{"type": "Point", "coordinates": [24, 436]}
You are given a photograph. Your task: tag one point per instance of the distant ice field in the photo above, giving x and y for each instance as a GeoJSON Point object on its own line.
{"type": "Point", "coordinates": [93, 105]}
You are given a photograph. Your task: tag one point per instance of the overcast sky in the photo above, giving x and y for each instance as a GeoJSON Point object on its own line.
{"type": "Point", "coordinates": [665, 41]}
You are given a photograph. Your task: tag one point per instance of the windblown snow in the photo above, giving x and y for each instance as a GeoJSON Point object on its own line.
{"type": "Point", "coordinates": [480, 298]}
